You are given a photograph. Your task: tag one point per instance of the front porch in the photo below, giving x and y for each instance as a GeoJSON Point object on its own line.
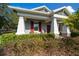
{"type": "Point", "coordinates": [31, 25]}
{"type": "Point", "coordinates": [27, 25]}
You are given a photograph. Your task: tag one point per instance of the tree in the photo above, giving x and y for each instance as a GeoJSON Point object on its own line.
{"type": "Point", "coordinates": [8, 18]}
{"type": "Point", "coordinates": [73, 21]}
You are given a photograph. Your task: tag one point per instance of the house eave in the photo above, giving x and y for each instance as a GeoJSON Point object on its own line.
{"type": "Point", "coordinates": [18, 9]}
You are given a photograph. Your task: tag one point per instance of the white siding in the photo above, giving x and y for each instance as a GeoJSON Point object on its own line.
{"type": "Point", "coordinates": [27, 27]}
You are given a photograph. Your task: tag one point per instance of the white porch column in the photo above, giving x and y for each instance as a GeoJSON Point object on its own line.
{"type": "Point", "coordinates": [21, 26]}
{"type": "Point", "coordinates": [54, 27]}
{"type": "Point", "coordinates": [66, 31]}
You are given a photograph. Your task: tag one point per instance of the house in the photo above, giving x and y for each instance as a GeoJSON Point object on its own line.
{"type": "Point", "coordinates": [43, 20]}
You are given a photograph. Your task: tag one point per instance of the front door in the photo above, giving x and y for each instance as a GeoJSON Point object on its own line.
{"type": "Point", "coordinates": [60, 28]}
{"type": "Point", "coordinates": [48, 28]}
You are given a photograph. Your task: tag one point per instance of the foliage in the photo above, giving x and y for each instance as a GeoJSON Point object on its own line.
{"type": "Point", "coordinates": [11, 37]}
{"type": "Point", "coordinates": [30, 44]}
{"type": "Point", "coordinates": [37, 44]}
{"type": "Point", "coordinates": [74, 33]}
{"type": "Point", "coordinates": [8, 17]}
{"type": "Point", "coordinates": [73, 21]}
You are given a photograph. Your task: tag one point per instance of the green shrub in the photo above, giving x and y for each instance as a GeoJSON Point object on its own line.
{"type": "Point", "coordinates": [37, 44]}
{"type": "Point", "coordinates": [27, 44]}
{"type": "Point", "coordinates": [74, 34]}
{"type": "Point", "coordinates": [6, 38]}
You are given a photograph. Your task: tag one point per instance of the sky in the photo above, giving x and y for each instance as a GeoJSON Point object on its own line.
{"type": "Point", "coordinates": [51, 6]}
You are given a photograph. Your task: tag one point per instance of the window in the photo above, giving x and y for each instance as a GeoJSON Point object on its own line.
{"type": "Point", "coordinates": [36, 26]}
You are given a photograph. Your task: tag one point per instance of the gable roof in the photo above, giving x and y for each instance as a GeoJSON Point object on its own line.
{"type": "Point", "coordinates": [68, 9]}
{"type": "Point", "coordinates": [28, 10]}
{"type": "Point", "coordinates": [58, 9]}
{"type": "Point", "coordinates": [42, 8]}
